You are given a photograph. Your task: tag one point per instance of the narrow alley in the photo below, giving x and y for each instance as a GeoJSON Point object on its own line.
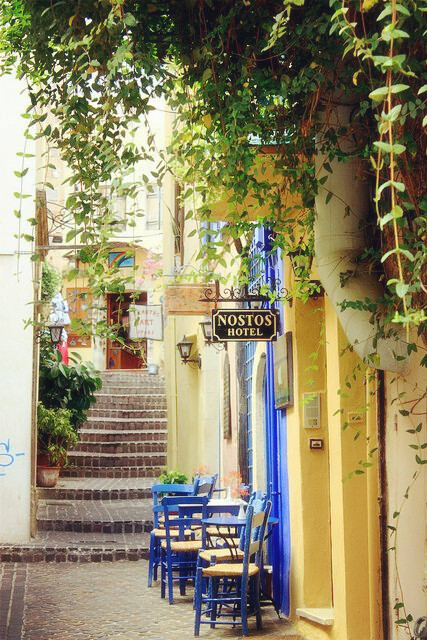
{"type": "Point", "coordinates": [102, 600]}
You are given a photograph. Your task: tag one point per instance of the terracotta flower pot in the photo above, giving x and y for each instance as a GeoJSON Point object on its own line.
{"type": "Point", "coordinates": [47, 476]}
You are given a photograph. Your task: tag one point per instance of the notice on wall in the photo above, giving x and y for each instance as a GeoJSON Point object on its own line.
{"type": "Point", "coordinates": [146, 321]}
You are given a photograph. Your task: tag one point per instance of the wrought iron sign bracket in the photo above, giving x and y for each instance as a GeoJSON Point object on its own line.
{"type": "Point", "coordinates": [244, 294]}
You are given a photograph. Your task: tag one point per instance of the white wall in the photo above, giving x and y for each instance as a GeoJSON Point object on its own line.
{"type": "Point", "coordinates": [401, 465]}
{"type": "Point", "coordinates": [16, 294]}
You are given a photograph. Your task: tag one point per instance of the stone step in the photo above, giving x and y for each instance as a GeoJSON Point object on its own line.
{"type": "Point", "coordinates": [138, 389]}
{"type": "Point", "coordinates": [54, 546]}
{"type": "Point", "coordinates": [112, 472]}
{"type": "Point", "coordinates": [138, 424]}
{"type": "Point", "coordinates": [119, 516]}
{"type": "Point", "coordinates": [126, 414]}
{"type": "Point", "coordinates": [123, 402]}
{"type": "Point", "coordinates": [87, 459]}
{"type": "Point", "coordinates": [116, 374]}
{"type": "Point", "coordinates": [143, 381]}
{"type": "Point", "coordinates": [121, 447]}
{"type": "Point", "coordinates": [122, 435]}
{"type": "Point", "coordinates": [98, 489]}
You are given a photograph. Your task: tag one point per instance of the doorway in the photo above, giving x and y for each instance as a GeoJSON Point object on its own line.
{"type": "Point", "coordinates": [124, 353]}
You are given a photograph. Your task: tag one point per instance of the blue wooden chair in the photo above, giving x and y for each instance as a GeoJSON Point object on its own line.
{"type": "Point", "coordinates": [205, 485]}
{"type": "Point", "coordinates": [179, 549]}
{"type": "Point", "coordinates": [202, 485]}
{"type": "Point", "coordinates": [234, 584]}
{"type": "Point", "coordinates": [157, 534]}
{"type": "Point", "coordinates": [234, 549]}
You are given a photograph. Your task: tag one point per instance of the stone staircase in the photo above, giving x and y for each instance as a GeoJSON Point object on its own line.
{"type": "Point", "coordinates": [125, 434]}
{"type": "Point", "coordinates": [101, 506]}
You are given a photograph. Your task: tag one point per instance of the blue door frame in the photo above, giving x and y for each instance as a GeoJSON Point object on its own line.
{"type": "Point", "coordinates": [277, 477]}
{"type": "Point", "coordinates": [276, 445]}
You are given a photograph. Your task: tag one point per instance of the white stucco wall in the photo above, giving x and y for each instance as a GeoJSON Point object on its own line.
{"type": "Point", "coordinates": [16, 293]}
{"type": "Point", "coordinates": [411, 544]}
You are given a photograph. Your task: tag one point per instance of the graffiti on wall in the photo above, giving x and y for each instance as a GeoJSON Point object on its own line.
{"type": "Point", "coordinates": [8, 456]}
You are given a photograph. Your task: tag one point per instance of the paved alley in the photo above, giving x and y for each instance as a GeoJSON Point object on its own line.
{"type": "Point", "coordinates": [99, 601]}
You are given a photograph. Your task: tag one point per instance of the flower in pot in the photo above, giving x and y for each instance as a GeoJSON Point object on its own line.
{"type": "Point", "coordinates": [55, 434]}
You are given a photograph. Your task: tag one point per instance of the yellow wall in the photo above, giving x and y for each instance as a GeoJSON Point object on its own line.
{"type": "Point", "coordinates": [334, 524]}
{"type": "Point", "coordinates": [309, 469]}
{"type": "Point", "coordinates": [182, 398]}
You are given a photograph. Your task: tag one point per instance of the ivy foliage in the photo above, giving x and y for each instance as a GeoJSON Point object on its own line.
{"type": "Point", "coordinates": [242, 76]}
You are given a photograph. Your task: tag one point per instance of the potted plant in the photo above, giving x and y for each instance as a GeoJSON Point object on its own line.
{"type": "Point", "coordinates": [55, 434]}
{"type": "Point", "coordinates": [173, 476]}
{"type": "Point", "coordinates": [70, 387]}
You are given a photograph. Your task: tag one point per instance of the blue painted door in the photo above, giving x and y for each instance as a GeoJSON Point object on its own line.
{"type": "Point", "coordinates": [276, 447]}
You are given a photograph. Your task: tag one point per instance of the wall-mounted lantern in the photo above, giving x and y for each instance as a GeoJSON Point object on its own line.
{"type": "Point", "coordinates": [184, 347]}
{"type": "Point", "coordinates": [206, 325]}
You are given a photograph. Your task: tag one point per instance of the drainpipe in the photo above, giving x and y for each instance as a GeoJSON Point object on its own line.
{"type": "Point", "coordinates": [338, 242]}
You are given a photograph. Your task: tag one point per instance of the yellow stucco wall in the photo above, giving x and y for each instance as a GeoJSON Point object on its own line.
{"type": "Point", "coordinates": [182, 397]}
{"type": "Point", "coordinates": [334, 524]}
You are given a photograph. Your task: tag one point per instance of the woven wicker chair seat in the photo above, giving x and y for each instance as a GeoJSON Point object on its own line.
{"type": "Point", "coordinates": [229, 570]}
{"type": "Point", "coordinates": [184, 545]}
{"type": "Point", "coordinates": [172, 516]}
{"type": "Point", "coordinates": [221, 555]}
{"type": "Point", "coordinates": [161, 533]}
{"type": "Point", "coordinates": [224, 531]}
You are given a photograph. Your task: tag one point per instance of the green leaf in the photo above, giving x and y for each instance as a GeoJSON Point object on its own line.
{"type": "Point", "coordinates": [72, 234]}
{"type": "Point", "coordinates": [378, 94]}
{"type": "Point", "coordinates": [130, 20]}
{"type": "Point", "coordinates": [385, 12]}
{"type": "Point", "coordinates": [398, 88]}
{"type": "Point", "coordinates": [393, 114]}
{"type": "Point", "coordinates": [383, 146]}
{"type": "Point", "coordinates": [402, 289]}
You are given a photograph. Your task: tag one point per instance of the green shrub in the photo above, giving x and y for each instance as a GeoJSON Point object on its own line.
{"type": "Point", "coordinates": [55, 433]}
{"type": "Point", "coordinates": [172, 477]}
{"type": "Point", "coordinates": [70, 387]}
{"type": "Point", "coordinates": [50, 283]}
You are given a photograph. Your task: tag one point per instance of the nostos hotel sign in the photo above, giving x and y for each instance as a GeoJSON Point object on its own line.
{"type": "Point", "coordinates": [244, 324]}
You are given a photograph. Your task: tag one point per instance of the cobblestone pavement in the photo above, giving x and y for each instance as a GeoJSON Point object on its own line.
{"type": "Point", "coordinates": [101, 601]}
